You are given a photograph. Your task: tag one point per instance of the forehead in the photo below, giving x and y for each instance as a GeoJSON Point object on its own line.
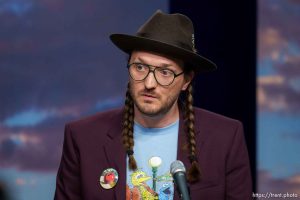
{"type": "Point", "coordinates": [155, 59]}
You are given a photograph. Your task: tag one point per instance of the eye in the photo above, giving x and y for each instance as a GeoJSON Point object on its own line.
{"type": "Point", "coordinates": [140, 67]}
{"type": "Point", "coordinates": [165, 72]}
{"type": "Point", "coordinates": [139, 176]}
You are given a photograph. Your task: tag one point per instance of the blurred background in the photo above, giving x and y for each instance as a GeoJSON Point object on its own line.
{"type": "Point", "coordinates": [57, 64]}
{"type": "Point", "coordinates": [278, 96]}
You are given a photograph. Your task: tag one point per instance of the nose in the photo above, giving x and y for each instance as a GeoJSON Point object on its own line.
{"type": "Point", "coordinates": [150, 81]}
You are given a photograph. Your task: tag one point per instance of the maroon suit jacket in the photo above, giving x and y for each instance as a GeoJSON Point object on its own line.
{"type": "Point", "coordinates": [94, 144]}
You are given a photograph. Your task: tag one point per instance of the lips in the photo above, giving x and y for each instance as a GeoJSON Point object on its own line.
{"type": "Point", "coordinates": [149, 95]}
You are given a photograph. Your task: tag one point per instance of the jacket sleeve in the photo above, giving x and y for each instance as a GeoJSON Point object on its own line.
{"type": "Point", "coordinates": [68, 177]}
{"type": "Point", "coordinates": [238, 174]}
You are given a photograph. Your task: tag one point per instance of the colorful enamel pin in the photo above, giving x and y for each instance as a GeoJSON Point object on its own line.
{"type": "Point", "coordinates": [109, 178]}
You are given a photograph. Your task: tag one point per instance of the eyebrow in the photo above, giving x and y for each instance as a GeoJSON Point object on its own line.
{"type": "Point", "coordinates": [164, 65]}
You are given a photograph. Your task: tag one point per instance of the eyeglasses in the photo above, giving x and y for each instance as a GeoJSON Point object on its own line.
{"type": "Point", "coordinates": [162, 75]}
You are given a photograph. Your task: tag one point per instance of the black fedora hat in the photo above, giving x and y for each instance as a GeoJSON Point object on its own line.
{"type": "Point", "coordinates": [168, 34]}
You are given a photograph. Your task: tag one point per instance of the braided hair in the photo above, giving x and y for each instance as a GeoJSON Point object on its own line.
{"type": "Point", "coordinates": [193, 173]}
{"type": "Point", "coordinates": [127, 133]}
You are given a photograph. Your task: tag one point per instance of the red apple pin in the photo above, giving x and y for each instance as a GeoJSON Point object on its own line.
{"type": "Point", "coordinates": [109, 178]}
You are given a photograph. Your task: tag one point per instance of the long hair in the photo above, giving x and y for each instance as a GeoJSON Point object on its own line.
{"type": "Point", "coordinates": [193, 173]}
{"type": "Point", "coordinates": [127, 132]}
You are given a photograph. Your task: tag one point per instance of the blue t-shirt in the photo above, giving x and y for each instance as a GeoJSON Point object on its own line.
{"type": "Point", "coordinates": [154, 150]}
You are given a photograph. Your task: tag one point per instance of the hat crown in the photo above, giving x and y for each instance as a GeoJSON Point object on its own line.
{"type": "Point", "coordinates": [174, 29]}
{"type": "Point", "coordinates": [167, 34]}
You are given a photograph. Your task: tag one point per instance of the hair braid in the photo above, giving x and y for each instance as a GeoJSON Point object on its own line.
{"type": "Point", "coordinates": [127, 132]}
{"type": "Point", "coordinates": [193, 173]}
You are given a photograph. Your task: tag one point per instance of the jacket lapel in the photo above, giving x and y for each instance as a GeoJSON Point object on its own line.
{"type": "Point", "coordinates": [182, 148]}
{"type": "Point", "coordinates": [116, 157]}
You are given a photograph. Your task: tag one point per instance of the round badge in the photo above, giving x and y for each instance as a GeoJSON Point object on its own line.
{"type": "Point", "coordinates": [109, 178]}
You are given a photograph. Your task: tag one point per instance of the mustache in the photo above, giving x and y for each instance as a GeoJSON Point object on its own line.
{"type": "Point", "coordinates": [148, 93]}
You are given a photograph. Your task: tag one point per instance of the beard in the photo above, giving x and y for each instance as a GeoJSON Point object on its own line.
{"type": "Point", "coordinates": [161, 106]}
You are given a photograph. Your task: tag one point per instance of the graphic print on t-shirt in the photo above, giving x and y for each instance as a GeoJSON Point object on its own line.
{"type": "Point", "coordinates": [160, 187]}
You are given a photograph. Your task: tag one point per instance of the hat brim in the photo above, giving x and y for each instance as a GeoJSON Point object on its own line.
{"type": "Point", "coordinates": [128, 43]}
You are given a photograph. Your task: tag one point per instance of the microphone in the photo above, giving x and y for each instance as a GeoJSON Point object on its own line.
{"type": "Point", "coordinates": [177, 170]}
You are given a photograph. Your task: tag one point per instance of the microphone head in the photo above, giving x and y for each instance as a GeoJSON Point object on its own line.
{"type": "Point", "coordinates": [177, 166]}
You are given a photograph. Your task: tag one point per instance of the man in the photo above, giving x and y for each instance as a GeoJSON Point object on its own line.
{"type": "Point", "coordinates": [126, 153]}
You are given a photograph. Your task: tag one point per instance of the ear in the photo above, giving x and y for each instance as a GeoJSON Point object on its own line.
{"type": "Point", "coordinates": [187, 79]}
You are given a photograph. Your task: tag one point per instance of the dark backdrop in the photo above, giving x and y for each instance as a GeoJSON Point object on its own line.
{"type": "Point", "coordinates": [225, 32]}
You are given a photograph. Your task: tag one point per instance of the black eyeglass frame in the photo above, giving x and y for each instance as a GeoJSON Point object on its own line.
{"type": "Point", "coordinates": [153, 71]}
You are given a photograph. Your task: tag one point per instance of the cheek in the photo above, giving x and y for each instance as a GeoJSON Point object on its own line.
{"type": "Point", "coordinates": [175, 91]}
{"type": "Point", "coordinates": [134, 88]}
{"type": "Point", "coordinates": [177, 87]}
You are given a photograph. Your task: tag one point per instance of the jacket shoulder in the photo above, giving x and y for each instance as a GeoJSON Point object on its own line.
{"type": "Point", "coordinates": [214, 123]}
{"type": "Point", "coordinates": [205, 115]}
{"type": "Point", "coordinates": [101, 119]}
